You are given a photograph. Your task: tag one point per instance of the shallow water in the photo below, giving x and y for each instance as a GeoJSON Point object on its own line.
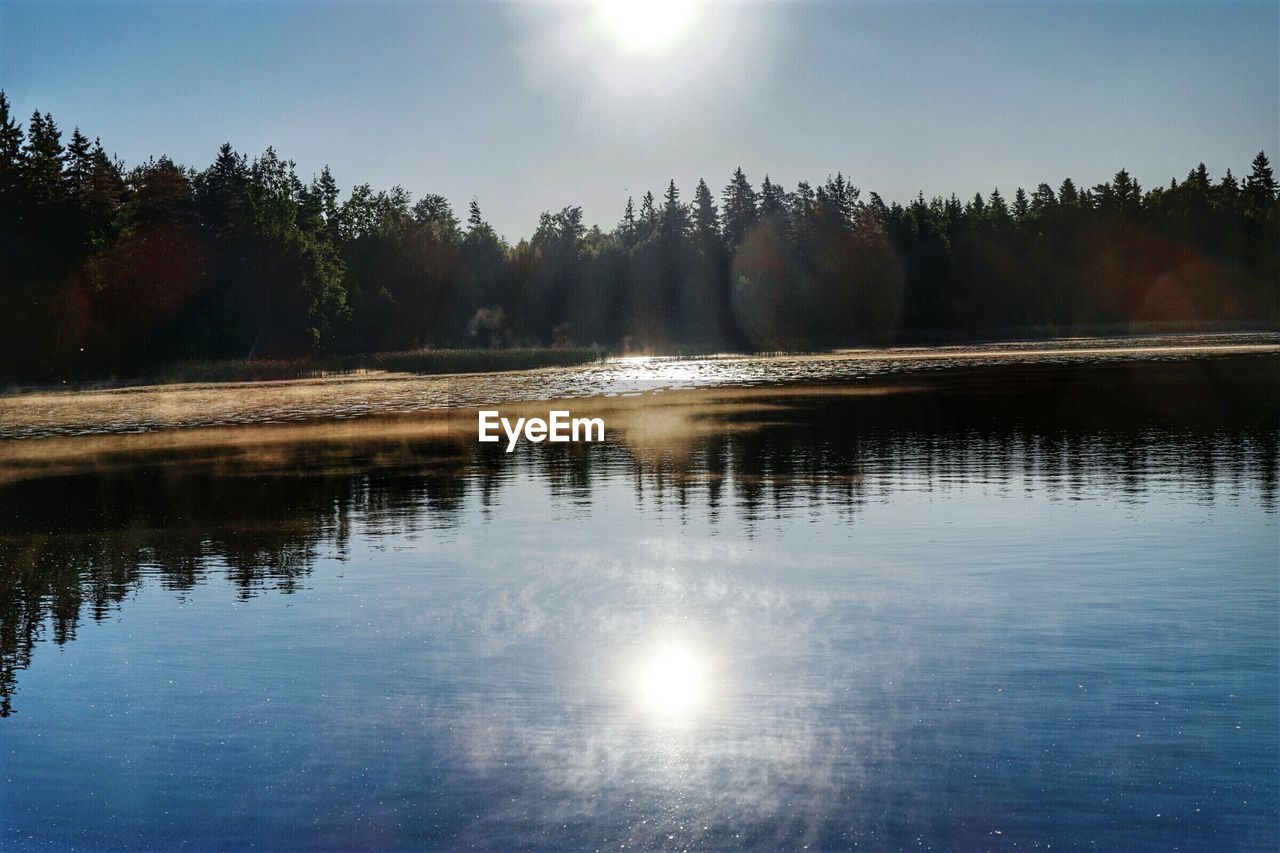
{"type": "Point", "coordinates": [349, 396]}
{"type": "Point", "coordinates": [992, 605]}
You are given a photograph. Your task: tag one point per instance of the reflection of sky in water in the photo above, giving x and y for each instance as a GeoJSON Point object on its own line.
{"type": "Point", "coordinates": [947, 663]}
{"type": "Point", "coordinates": [1003, 638]}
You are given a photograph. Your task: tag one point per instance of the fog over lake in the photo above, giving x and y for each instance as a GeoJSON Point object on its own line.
{"type": "Point", "coordinates": [975, 599]}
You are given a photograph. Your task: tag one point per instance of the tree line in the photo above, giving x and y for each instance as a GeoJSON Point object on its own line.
{"type": "Point", "coordinates": [114, 270]}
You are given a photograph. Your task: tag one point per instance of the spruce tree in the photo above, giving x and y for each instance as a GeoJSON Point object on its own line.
{"type": "Point", "coordinates": [1260, 187]}
{"type": "Point", "coordinates": [1043, 198]}
{"type": "Point", "coordinates": [738, 212]}
{"type": "Point", "coordinates": [328, 195]}
{"type": "Point", "coordinates": [628, 223]}
{"type": "Point", "coordinates": [103, 195]}
{"type": "Point", "coordinates": [648, 211]}
{"type": "Point", "coordinates": [79, 165]}
{"type": "Point", "coordinates": [1020, 203]}
{"type": "Point", "coordinates": [10, 155]}
{"type": "Point", "coordinates": [1068, 195]}
{"type": "Point", "coordinates": [1228, 192]}
{"type": "Point", "coordinates": [43, 159]}
{"type": "Point", "coordinates": [706, 223]}
{"type": "Point", "coordinates": [773, 200]}
{"type": "Point", "coordinates": [675, 218]}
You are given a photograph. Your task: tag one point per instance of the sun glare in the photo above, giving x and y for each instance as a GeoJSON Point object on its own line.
{"type": "Point", "coordinates": [646, 26]}
{"type": "Point", "coordinates": [672, 682]}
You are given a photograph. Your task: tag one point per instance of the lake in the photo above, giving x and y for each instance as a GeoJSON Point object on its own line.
{"type": "Point", "coordinates": [974, 603]}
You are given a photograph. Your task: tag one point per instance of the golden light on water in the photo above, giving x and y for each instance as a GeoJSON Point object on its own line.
{"type": "Point", "coordinates": [645, 26]}
{"type": "Point", "coordinates": [672, 682]}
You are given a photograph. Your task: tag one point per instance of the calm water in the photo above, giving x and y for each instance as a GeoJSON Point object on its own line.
{"type": "Point", "coordinates": [994, 606]}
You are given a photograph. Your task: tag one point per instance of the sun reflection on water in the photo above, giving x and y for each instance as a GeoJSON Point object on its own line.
{"type": "Point", "coordinates": [672, 682]}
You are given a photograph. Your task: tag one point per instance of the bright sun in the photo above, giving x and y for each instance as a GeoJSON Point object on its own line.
{"type": "Point", "coordinates": [672, 682]}
{"type": "Point", "coordinates": [645, 26]}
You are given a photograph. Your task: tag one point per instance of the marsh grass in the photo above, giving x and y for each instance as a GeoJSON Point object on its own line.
{"type": "Point", "coordinates": [482, 360]}
{"type": "Point", "coordinates": [426, 362]}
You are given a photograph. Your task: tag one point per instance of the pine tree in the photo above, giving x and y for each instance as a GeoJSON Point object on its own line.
{"type": "Point", "coordinates": [223, 191]}
{"type": "Point", "coordinates": [773, 200]}
{"type": "Point", "coordinates": [1020, 203]}
{"type": "Point", "coordinates": [102, 197]}
{"type": "Point", "coordinates": [706, 224]}
{"type": "Point", "coordinates": [738, 212]}
{"type": "Point", "coordinates": [79, 165]}
{"type": "Point", "coordinates": [10, 154]}
{"type": "Point", "coordinates": [628, 223]}
{"type": "Point", "coordinates": [1228, 192]}
{"type": "Point", "coordinates": [1127, 193]}
{"type": "Point", "coordinates": [675, 218]}
{"type": "Point", "coordinates": [838, 199]}
{"type": "Point", "coordinates": [648, 211]}
{"type": "Point", "coordinates": [1043, 198]}
{"type": "Point", "coordinates": [997, 210]}
{"type": "Point", "coordinates": [801, 209]}
{"type": "Point", "coordinates": [1260, 187]}
{"type": "Point", "coordinates": [329, 195]}
{"type": "Point", "coordinates": [43, 161]}
{"type": "Point", "coordinates": [1068, 195]}
{"type": "Point", "coordinates": [1199, 179]}
{"type": "Point", "coordinates": [953, 212]}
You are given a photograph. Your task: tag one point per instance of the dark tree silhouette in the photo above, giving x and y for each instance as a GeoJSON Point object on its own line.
{"type": "Point", "coordinates": [115, 271]}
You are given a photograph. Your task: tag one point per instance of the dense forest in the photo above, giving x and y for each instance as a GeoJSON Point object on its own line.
{"type": "Point", "coordinates": [109, 270]}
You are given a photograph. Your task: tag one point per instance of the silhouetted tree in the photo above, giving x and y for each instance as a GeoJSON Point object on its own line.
{"type": "Point", "coordinates": [115, 271]}
{"type": "Point", "coordinates": [738, 210]}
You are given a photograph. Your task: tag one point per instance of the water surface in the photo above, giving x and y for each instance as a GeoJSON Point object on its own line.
{"type": "Point", "coordinates": [986, 606]}
{"type": "Point", "coordinates": [140, 409]}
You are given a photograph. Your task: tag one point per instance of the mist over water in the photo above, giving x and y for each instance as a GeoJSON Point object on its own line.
{"type": "Point", "coordinates": [351, 396]}
{"type": "Point", "coordinates": [1030, 603]}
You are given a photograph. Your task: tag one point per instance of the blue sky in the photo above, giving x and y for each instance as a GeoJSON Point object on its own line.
{"type": "Point", "coordinates": [530, 107]}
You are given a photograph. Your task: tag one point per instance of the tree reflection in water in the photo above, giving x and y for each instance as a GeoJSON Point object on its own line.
{"type": "Point", "coordinates": [75, 543]}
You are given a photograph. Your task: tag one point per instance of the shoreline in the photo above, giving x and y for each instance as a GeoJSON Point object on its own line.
{"type": "Point", "coordinates": [457, 362]}
{"type": "Point", "coordinates": [667, 423]}
{"type": "Point", "coordinates": [344, 398]}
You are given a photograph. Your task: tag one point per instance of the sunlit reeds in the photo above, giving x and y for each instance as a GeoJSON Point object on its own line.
{"type": "Point", "coordinates": [423, 361]}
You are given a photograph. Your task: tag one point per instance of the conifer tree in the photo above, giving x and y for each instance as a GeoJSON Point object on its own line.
{"type": "Point", "coordinates": [675, 218]}
{"type": "Point", "coordinates": [1260, 187]}
{"type": "Point", "coordinates": [738, 211]}
{"type": "Point", "coordinates": [102, 196]}
{"type": "Point", "coordinates": [43, 159]}
{"type": "Point", "coordinates": [627, 226]}
{"type": "Point", "coordinates": [243, 259]}
{"type": "Point", "coordinates": [706, 224]}
{"type": "Point", "coordinates": [10, 158]}
{"type": "Point", "coordinates": [79, 165]}
{"type": "Point", "coordinates": [773, 200]}
{"type": "Point", "coordinates": [1020, 203]}
{"type": "Point", "coordinates": [648, 211]}
{"type": "Point", "coordinates": [1043, 198]}
{"type": "Point", "coordinates": [1068, 196]}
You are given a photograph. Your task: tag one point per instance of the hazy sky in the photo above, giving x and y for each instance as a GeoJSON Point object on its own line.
{"type": "Point", "coordinates": [535, 106]}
